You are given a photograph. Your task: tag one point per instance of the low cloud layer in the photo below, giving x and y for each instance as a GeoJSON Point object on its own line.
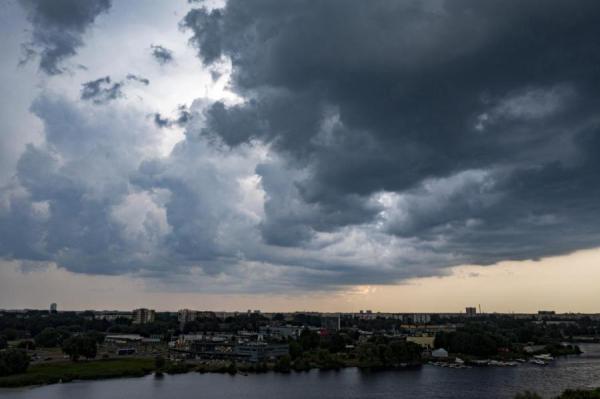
{"type": "Point", "coordinates": [368, 142]}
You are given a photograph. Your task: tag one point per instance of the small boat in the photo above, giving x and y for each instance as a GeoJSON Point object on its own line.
{"type": "Point", "coordinates": [538, 362]}
{"type": "Point", "coordinates": [480, 362]}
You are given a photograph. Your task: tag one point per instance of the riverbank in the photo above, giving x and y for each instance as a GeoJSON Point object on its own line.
{"type": "Point", "coordinates": [51, 373]}
{"type": "Point", "coordinates": [61, 372]}
{"type": "Point", "coordinates": [577, 372]}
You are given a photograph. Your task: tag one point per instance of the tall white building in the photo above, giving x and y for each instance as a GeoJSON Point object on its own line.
{"type": "Point", "coordinates": [143, 316]}
{"type": "Point", "coordinates": [421, 318]}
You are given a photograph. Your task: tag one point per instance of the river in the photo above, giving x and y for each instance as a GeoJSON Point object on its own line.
{"type": "Point", "coordinates": [427, 382]}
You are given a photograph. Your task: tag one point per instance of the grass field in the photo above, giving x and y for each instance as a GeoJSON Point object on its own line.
{"type": "Point", "coordinates": [51, 373]}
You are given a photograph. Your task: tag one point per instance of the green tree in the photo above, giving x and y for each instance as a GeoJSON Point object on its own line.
{"type": "Point", "coordinates": [96, 336]}
{"type": "Point", "coordinates": [337, 342]}
{"type": "Point", "coordinates": [283, 364]}
{"type": "Point", "coordinates": [159, 362]}
{"type": "Point", "coordinates": [309, 340]}
{"type": "Point", "coordinates": [300, 364]}
{"type": "Point", "coordinates": [580, 394]}
{"type": "Point", "coordinates": [327, 361]}
{"type": "Point", "coordinates": [80, 345]}
{"type": "Point", "coordinates": [528, 395]}
{"type": "Point", "coordinates": [368, 356]}
{"type": "Point", "coordinates": [10, 334]}
{"type": "Point", "coordinates": [232, 368]}
{"type": "Point", "coordinates": [13, 361]}
{"type": "Point", "coordinates": [51, 337]}
{"type": "Point", "coordinates": [27, 345]}
{"type": "Point", "coordinates": [372, 355]}
{"type": "Point", "coordinates": [295, 349]}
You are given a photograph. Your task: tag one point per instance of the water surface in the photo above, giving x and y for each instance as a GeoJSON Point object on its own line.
{"type": "Point", "coordinates": [428, 382]}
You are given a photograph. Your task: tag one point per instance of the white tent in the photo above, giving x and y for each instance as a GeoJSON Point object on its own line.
{"type": "Point", "coordinates": [440, 352]}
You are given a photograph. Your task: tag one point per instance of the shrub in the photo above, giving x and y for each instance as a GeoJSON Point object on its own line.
{"type": "Point", "coordinates": [283, 364]}
{"type": "Point", "coordinates": [159, 362]}
{"type": "Point", "coordinates": [13, 361]}
{"type": "Point", "coordinates": [27, 344]}
{"type": "Point", "coordinates": [80, 345]}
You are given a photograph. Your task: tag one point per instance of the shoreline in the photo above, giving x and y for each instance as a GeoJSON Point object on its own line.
{"type": "Point", "coordinates": [63, 372]}
{"type": "Point", "coordinates": [103, 369]}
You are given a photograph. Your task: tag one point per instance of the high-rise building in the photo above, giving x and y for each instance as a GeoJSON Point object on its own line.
{"type": "Point", "coordinates": [471, 311]}
{"type": "Point", "coordinates": [143, 316]}
{"type": "Point", "coordinates": [53, 308]}
{"type": "Point", "coordinates": [421, 318]}
{"type": "Point", "coordinates": [185, 316]}
{"type": "Point", "coordinates": [545, 314]}
{"type": "Point", "coordinates": [331, 323]}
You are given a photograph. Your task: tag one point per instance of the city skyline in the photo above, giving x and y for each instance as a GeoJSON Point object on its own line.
{"type": "Point", "coordinates": [420, 156]}
{"type": "Point", "coordinates": [424, 295]}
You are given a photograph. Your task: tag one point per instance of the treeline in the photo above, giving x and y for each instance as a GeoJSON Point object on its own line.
{"type": "Point", "coordinates": [568, 394]}
{"type": "Point", "coordinates": [248, 322]}
{"type": "Point", "coordinates": [506, 336]}
{"type": "Point", "coordinates": [33, 323]}
{"type": "Point", "coordinates": [386, 355]}
{"type": "Point", "coordinates": [472, 341]}
{"type": "Point", "coordinates": [340, 349]}
{"type": "Point", "coordinates": [16, 360]}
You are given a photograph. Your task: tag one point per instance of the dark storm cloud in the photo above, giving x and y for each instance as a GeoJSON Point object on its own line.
{"type": "Point", "coordinates": [77, 202]}
{"type": "Point", "coordinates": [58, 28]}
{"type": "Point", "coordinates": [375, 141]}
{"type": "Point", "coordinates": [103, 90]}
{"type": "Point", "coordinates": [137, 78]}
{"type": "Point", "coordinates": [71, 186]}
{"type": "Point", "coordinates": [21, 228]}
{"type": "Point", "coordinates": [160, 121]}
{"type": "Point", "coordinates": [73, 204]}
{"type": "Point", "coordinates": [392, 97]}
{"type": "Point", "coordinates": [161, 54]}
{"type": "Point", "coordinates": [183, 117]}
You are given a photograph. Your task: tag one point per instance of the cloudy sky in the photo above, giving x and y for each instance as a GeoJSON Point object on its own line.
{"type": "Point", "coordinates": [335, 155]}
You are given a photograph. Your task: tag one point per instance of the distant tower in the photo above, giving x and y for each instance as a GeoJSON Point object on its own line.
{"type": "Point", "coordinates": [53, 308]}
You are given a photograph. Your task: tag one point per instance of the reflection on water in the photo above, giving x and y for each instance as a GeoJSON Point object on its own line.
{"type": "Point", "coordinates": [428, 382]}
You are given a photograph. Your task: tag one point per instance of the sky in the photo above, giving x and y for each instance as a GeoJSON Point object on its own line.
{"type": "Point", "coordinates": [300, 155]}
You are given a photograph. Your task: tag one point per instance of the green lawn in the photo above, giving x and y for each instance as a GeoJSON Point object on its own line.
{"type": "Point", "coordinates": [50, 373]}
